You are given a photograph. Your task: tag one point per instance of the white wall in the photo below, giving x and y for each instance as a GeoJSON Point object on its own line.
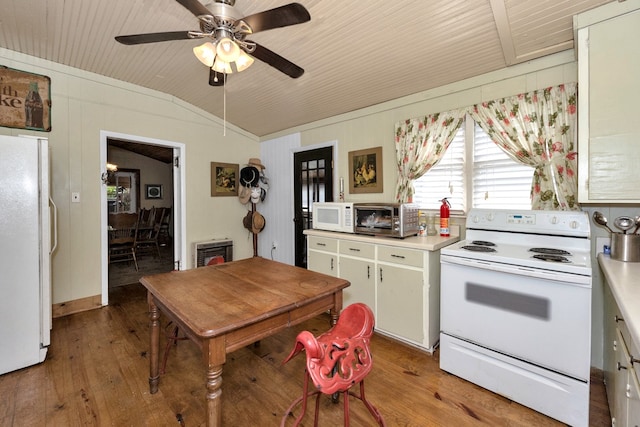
{"type": "Point", "coordinates": [277, 208]}
{"type": "Point", "coordinates": [83, 104]}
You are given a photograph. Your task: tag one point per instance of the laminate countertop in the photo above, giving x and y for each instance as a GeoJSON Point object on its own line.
{"type": "Point", "coordinates": [426, 243]}
{"type": "Point", "coordinates": [624, 281]}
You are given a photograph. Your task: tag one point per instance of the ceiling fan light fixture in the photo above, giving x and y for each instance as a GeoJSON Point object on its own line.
{"type": "Point", "coordinates": [221, 66]}
{"type": "Point", "coordinates": [244, 61]}
{"type": "Point", "coordinates": [205, 53]}
{"type": "Point", "coordinates": [228, 50]}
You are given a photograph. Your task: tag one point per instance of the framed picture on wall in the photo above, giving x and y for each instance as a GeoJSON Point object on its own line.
{"type": "Point", "coordinates": [224, 179]}
{"type": "Point", "coordinates": [365, 167]}
{"type": "Point", "coordinates": [154, 191]}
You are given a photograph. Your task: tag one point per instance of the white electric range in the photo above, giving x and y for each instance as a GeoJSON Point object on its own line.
{"type": "Point", "coordinates": [516, 308]}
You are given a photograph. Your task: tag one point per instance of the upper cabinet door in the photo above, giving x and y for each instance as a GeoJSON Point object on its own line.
{"type": "Point", "coordinates": [609, 110]}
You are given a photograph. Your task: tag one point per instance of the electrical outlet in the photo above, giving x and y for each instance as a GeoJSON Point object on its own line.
{"type": "Point", "coordinates": [75, 197]}
{"type": "Point", "coordinates": [600, 242]}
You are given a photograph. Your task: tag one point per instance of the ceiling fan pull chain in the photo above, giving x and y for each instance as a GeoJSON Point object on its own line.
{"type": "Point", "coordinates": [224, 105]}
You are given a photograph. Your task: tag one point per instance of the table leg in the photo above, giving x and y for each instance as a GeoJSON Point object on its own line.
{"type": "Point", "coordinates": [154, 344]}
{"type": "Point", "coordinates": [214, 391]}
{"type": "Point", "coordinates": [337, 307]}
{"type": "Point", "coordinates": [214, 356]}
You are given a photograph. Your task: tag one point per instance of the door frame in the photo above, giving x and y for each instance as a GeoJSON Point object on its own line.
{"type": "Point", "coordinates": [178, 209]}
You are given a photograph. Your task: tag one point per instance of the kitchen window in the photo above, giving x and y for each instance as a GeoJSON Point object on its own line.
{"type": "Point", "coordinates": [475, 172]}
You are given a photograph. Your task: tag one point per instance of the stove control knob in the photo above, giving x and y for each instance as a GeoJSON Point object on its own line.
{"type": "Point", "coordinates": [553, 220]}
{"type": "Point", "coordinates": [490, 216]}
{"type": "Point", "coordinates": [475, 219]}
{"type": "Point", "coordinates": [574, 224]}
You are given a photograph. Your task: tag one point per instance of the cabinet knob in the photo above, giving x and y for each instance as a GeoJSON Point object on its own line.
{"type": "Point", "coordinates": [618, 318]}
{"type": "Point", "coordinates": [633, 360]}
{"type": "Point", "coordinates": [619, 366]}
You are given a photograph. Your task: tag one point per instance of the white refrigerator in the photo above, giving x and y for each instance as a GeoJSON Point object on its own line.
{"type": "Point", "coordinates": [27, 229]}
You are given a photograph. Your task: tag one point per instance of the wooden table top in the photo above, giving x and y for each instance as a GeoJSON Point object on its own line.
{"type": "Point", "coordinates": [217, 299]}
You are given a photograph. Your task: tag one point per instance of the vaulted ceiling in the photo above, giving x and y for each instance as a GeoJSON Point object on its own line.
{"type": "Point", "coordinates": [355, 53]}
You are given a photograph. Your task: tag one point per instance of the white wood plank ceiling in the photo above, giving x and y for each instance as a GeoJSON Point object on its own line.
{"type": "Point", "coordinates": [355, 53]}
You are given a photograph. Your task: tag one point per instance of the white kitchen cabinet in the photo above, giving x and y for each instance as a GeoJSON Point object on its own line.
{"type": "Point", "coordinates": [608, 88]}
{"type": "Point", "coordinates": [400, 302]}
{"type": "Point", "coordinates": [633, 410]}
{"type": "Point", "coordinates": [409, 294]}
{"type": "Point", "coordinates": [357, 265]}
{"type": "Point", "coordinates": [611, 346]}
{"type": "Point", "coordinates": [322, 255]}
{"type": "Point", "coordinates": [398, 278]}
{"type": "Point", "coordinates": [620, 367]}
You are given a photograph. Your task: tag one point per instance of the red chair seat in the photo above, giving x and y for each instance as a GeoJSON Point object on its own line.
{"type": "Point", "coordinates": [337, 360]}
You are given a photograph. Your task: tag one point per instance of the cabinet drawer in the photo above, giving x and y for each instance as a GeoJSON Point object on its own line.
{"type": "Point", "coordinates": [400, 256]}
{"type": "Point", "coordinates": [359, 249]}
{"type": "Point", "coordinates": [323, 244]}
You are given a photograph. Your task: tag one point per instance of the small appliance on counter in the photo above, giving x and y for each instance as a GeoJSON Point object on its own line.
{"type": "Point", "coordinates": [333, 216]}
{"type": "Point", "coordinates": [386, 219]}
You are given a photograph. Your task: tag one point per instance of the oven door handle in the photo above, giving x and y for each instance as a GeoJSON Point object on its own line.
{"type": "Point", "coordinates": [572, 279]}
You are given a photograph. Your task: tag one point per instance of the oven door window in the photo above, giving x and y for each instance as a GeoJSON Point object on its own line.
{"type": "Point", "coordinates": [541, 321]}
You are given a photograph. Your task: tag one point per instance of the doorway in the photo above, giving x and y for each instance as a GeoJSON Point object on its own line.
{"type": "Point", "coordinates": [313, 172]}
{"type": "Point", "coordinates": [154, 191]}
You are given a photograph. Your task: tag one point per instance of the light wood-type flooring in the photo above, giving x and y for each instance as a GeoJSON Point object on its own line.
{"type": "Point", "coordinates": [96, 374]}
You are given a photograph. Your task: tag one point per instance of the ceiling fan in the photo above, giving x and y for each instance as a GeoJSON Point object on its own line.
{"type": "Point", "coordinates": [227, 31]}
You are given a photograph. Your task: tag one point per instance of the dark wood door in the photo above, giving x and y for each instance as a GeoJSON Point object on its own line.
{"type": "Point", "coordinates": [313, 171]}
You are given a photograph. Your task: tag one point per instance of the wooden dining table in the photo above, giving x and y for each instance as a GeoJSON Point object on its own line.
{"type": "Point", "coordinates": [227, 306]}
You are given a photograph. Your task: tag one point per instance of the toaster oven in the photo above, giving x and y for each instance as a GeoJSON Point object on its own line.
{"type": "Point", "coordinates": [386, 219]}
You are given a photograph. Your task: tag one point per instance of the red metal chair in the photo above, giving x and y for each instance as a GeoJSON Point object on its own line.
{"type": "Point", "coordinates": [336, 361]}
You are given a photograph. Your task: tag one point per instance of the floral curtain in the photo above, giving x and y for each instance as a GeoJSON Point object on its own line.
{"type": "Point", "coordinates": [420, 144]}
{"type": "Point", "coordinates": [538, 129]}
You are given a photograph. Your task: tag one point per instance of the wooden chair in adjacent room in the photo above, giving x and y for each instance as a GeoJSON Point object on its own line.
{"type": "Point", "coordinates": [164, 237]}
{"type": "Point", "coordinates": [336, 361]}
{"type": "Point", "coordinates": [122, 238]}
{"type": "Point", "coordinates": [147, 240]}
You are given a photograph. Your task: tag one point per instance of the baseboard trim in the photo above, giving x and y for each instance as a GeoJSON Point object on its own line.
{"type": "Point", "coordinates": [76, 306]}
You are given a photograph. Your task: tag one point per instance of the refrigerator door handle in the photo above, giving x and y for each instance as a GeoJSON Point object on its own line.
{"type": "Point", "coordinates": [55, 226]}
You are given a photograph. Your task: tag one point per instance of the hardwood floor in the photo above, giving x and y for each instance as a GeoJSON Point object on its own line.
{"type": "Point", "coordinates": [96, 374]}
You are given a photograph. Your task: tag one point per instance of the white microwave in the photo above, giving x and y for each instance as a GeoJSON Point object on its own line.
{"type": "Point", "coordinates": [333, 216]}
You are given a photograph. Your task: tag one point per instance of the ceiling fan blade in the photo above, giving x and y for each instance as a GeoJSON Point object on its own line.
{"type": "Point", "coordinates": [216, 78]}
{"type": "Point", "coordinates": [283, 16]}
{"type": "Point", "coordinates": [195, 7]}
{"type": "Point", "coordinates": [153, 37]}
{"type": "Point", "coordinates": [277, 61]}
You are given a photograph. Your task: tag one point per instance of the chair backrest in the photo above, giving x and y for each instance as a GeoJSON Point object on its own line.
{"type": "Point", "coordinates": [144, 216]}
{"type": "Point", "coordinates": [124, 228]}
{"type": "Point", "coordinates": [340, 357]}
{"type": "Point", "coordinates": [167, 216]}
{"type": "Point", "coordinates": [157, 221]}
{"type": "Point", "coordinates": [123, 220]}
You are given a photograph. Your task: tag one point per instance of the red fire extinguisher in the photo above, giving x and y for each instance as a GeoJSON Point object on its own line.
{"type": "Point", "coordinates": [444, 217]}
